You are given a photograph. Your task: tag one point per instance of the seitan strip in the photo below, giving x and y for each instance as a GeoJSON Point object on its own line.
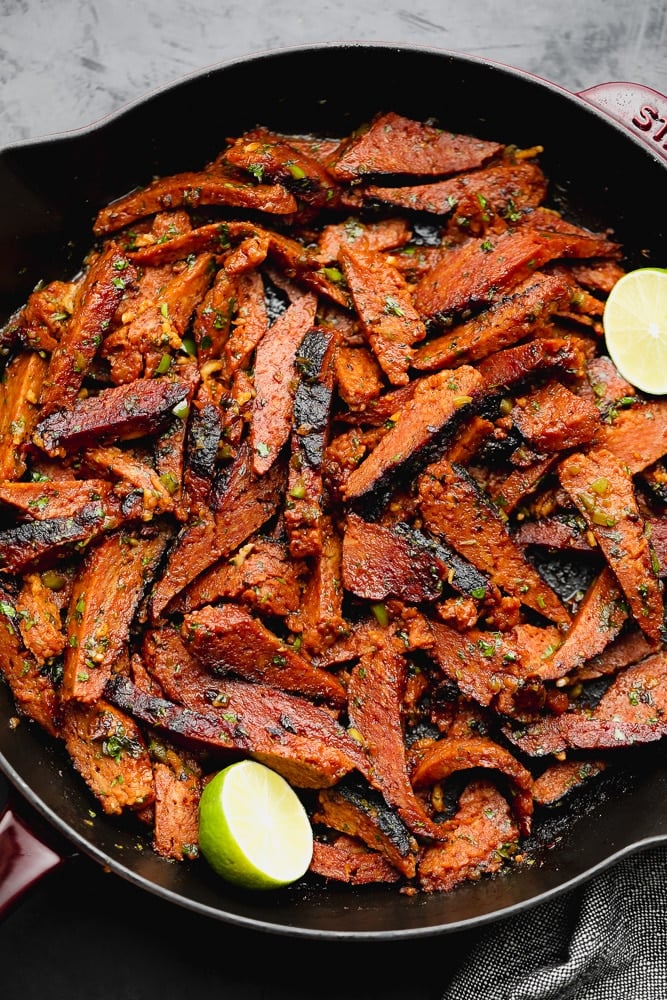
{"type": "Point", "coordinates": [513, 317]}
{"type": "Point", "coordinates": [104, 601]}
{"type": "Point", "coordinates": [448, 756]}
{"type": "Point", "coordinates": [241, 503]}
{"type": "Point", "coordinates": [102, 291]}
{"type": "Point", "coordinates": [456, 509]}
{"type": "Point", "coordinates": [305, 499]}
{"type": "Point", "coordinates": [228, 639]}
{"type": "Point", "coordinates": [108, 750]}
{"type": "Point", "coordinates": [473, 275]}
{"type": "Point", "coordinates": [274, 376]}
{"type": "Point", "coordinates": [383, 302]}
{"type": "Point", "coordinates": [636, 433]}
{"type": "Point", "coordinates": [394, 144]}
{"type": "Point", "coordinates": [399, 561]}
{"type": "Point", "coordinates": [359, 811]}
{"type": "Point", "coordinates": [601, 487]}
{"type": "Point", "coordinates": [348, 860]}
{"type": "Point", "coordinates": [291, 735]}
{"type": "Point", "coordinates": [429, 420]}
{"type": "Point", "coordinates": [261, 575]}
{"type": "Point", "coordinates": [176, 822]}
{"type": "Point", "coordinates": [376, 689]}
{"type": "Point", "coordinates": [21, 383]}
{"type": "Point", "coordinates": [192, 189]}
{"type": "Point", "coordinates": [504, 189]}
{"type": "Point", "coordinates": [599, 619]}
{"type": "Point", "coordinates": [39, 620]}
{"type": "Point", "coordinates": [477, 840]}
{"type": "Point", "coordinates": [32, 688]}
{"type": "Point", "coordinates": [121, 412]}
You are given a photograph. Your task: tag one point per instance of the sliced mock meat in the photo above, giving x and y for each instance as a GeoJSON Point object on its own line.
{"type": "Point", "coordinates": [456, 509]}
{"type": "Point", "coordinates": [348, 860]}
{"type": "Point", "coordinates": [399, 561]}
{"type": "Point", "coordinates": [383, 302]}
{"type": "Point", "coordinates": [103, 288]}
{"type": "Point", "coordinates": [22, 379]}
{"type": "Point", "coordinates": [227, 639]}
{"type": "Point", "coordinates": [478, 838]}
{"type": "Point", "coordinates": [105, 598]}
{"type": "Point", "coordinates": [503, 189]}
{"type": "Point", "coordinates": [601, 487]}
{"type": "Point", "coordinates": [275, 372]}
{"type": "Point", "coordinates": [361, 812]}
{"type": "Point", "coordinates": [439, 404]}
{"type": "Point", "coordinates": [394, 144]}
{"type": "Point", "coordinates": [511, 318]}
{"type": "Point", "coordinates": [191, 190]}
{"type": "Point", "coordinates": [445, 757]}
{"type": "Point", "coordinates": [557, 780]}
{"type": "Point", "coordinates": [33, 689]}
{"type": "Point", "coordinates": [122, 412]}
{"type": "Point", "coordinates": [109, 751]}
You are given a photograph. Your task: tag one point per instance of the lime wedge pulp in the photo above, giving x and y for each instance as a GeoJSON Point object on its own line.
{"type": "Point", "coordinates": [635, 328]}
{"type": "Point", "coordinates": [253, 828]}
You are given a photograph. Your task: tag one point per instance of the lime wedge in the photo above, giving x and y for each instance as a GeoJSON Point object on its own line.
{"type": "Point", "coordinates": [635, 328]}
{"type": "Point", "coordinates": [253, 828]}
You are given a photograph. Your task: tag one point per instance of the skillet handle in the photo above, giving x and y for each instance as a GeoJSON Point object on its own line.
{"type": "Point", "coordinates": [642, 110]}
{"type": "Point", "coordinates": [24, 859]}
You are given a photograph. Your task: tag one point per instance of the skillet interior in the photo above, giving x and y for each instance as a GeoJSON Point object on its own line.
{"type": "Point", "coordinates": [49, 193]}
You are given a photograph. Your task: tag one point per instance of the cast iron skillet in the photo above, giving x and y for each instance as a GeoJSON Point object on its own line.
{"type": "Point", "coordinates": [606, 156]}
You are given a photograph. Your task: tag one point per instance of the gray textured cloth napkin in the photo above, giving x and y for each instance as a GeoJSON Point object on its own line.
{"type": "Point", "coordinates": [606, 940]}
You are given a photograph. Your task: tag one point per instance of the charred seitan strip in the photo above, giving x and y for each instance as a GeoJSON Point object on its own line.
{"type": "Point", "coordinates": [394, 144]}
{"type": "Point", "coordinates": [552, 418]}
{"type": "Point", "coordinates": [456, 509]}
{"type": "Point", "coordinates": [319, 619]}
{"type": "Point", "coordinates": [400, 561]}
{"type": "Point", "coordinates": [636, 433]}
{"type": "Point", "coordinates": [309, 437]}
{"type": "Point", "coordinates": [361, 812]}
{"type": "Point", "coordinates": [472, 276]}
{"type": "Point", "coordinates": [192, 189]}
{"type": "Point", "coordinates": [274, 381]}
{"type": "Point", "coordinates": [599, 619]}
{"type": "Point", "coordinates": [21, 384]}
{"type": "Point", "coordinates": [242, 503]}
{"type": "Point", "coordinates": [601, 487]}
{"type": "Point", "coordinates": [122, 412]}
{"type": "Point", "coordinates": [103, 288]}
{"type": "Point", "coordinates": [300, 740]}
{"type": "Point", "coordinates": [446, 757]}
{"type": "Point", "coordinates": [574, 730]}
{"type": "Point", "coordinates": [227, 639]}
{"type": "Point", "coordinates": [104, 600]}
{"type": "Point", "coordinates": [514, 317]}
{"type": "Point", "coordinates": [375, 694]}
{"type": "Point", "coordinates": [440, 402]}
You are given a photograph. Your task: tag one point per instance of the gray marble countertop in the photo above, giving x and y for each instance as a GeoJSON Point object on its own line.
{"type": "Point", "coordinates": [66, 63]}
